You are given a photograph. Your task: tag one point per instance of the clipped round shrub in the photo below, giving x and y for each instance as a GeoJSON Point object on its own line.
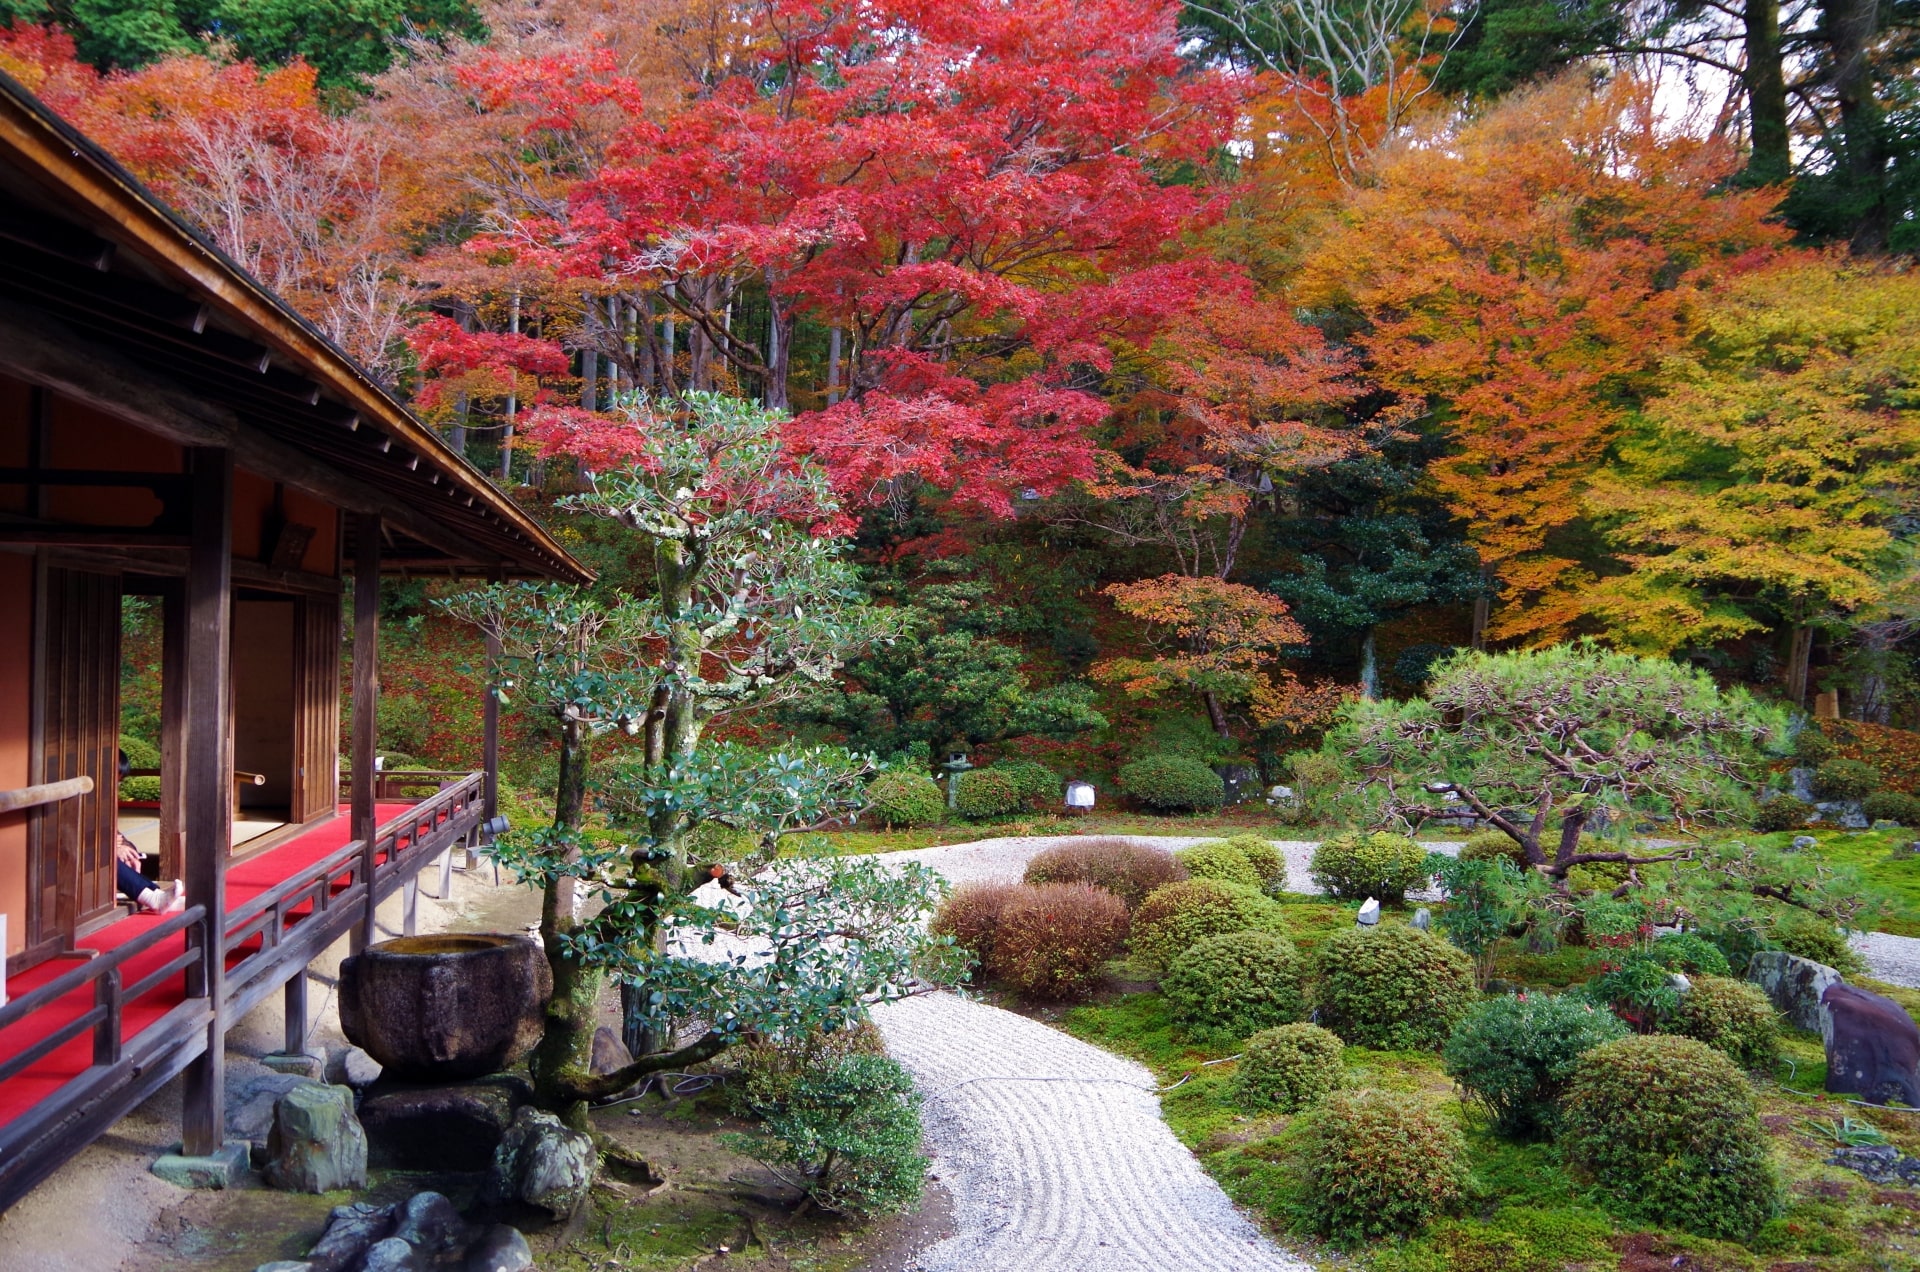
{"type": "Point", "coordinates": [904, 797]}
{"type": "Point", "coordinates": [1262, 856]}
{"type": "Point", "coordinates": [1036, 785]}
{"type": "Point", "coordinates": [1227, 987]}
{"type": "Point", "coordinates": [1180, 915]}
{"type": "Point", "coordinates": [1809, 936]}
{"type": "Point", "coordinates": [1812, 746]}
{"type": "Point", "coordinates": [1286, 1068]}
{"type": "Point", "coordinates": [1730, 1016]}
{"type": "Point", "coordinates": [1363, 864]}
{"type": "Point", "coordinates": [1514, 1055]}
{"type": "Point", "coordinates": [1394, 988]}
{"type": "Point", "coordinates": [1127, 869]}
{"type": "Point", "coordinates": [1782, 812]}
{"type": "Point", "coordinates": [1218, 859]}
{"type": "Point", "coordinates": [1894, 806]}
{"type": "Point", "coordinates": [1691, 953]}
{"type": "Point", "coordinates": [1173, 784]}
{"type": "Point", "coordinates": [1666, 1127]}
{"type": "Point", "coordinates": [1377, 1164]}
{"type": "Point", "coordinates": [1052, 939]}
{"type": "Point", "coordinates": [1845, 779]}
{"type": "Point", "coordinates": [984, 793]}
{"type": "Point", "coordinates": [1493, 845]}
{"type": "Point", "coordinates": [971, 916]}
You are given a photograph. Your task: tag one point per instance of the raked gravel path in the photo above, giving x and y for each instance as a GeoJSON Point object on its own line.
{"type": "Point", "coordinates": [1893, 959]}
{"type": "Point", "coordinates": [1053, 1150]}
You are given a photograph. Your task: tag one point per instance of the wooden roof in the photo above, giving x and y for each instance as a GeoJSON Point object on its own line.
{"type": "Point", "coordinates": [101, 282]}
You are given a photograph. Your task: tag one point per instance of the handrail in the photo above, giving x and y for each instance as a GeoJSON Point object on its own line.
{"type": "Point", "coordinates": [45, 793]}
{"type": "Point", "coordinates": [110, 996]}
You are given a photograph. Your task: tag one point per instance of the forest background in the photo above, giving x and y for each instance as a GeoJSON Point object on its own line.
{"type": "Point", "coordinates": [1184, 369]}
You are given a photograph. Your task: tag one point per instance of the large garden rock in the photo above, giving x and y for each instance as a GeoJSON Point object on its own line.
{"type": "Point", "coordinates": [542, 1164]}
{"type": "Point", "coordinates": [1794, 985]}
{"type": "Point", "coordinates": [443, 1008]}
{"type": "Point", "coordinates": [422, 1234]}
{"type": "Point", "coordinates": [316, 1144]}
{"type": "Point", "coordinates": [453, 1126]}
{"type": "Point", "coordinates": [1873, 1046]}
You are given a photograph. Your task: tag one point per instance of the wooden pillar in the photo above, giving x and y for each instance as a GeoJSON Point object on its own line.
{"type": "Point", "coordinates": [295, 1041]}
{"type": "Point", "coordinates": [366, 699]}
{"type": "Point", "coordinates": [207, 781]}
{"type": "Point", "coordinates": [490, 724]}
{"type": "Point", "coordinates": [173, 733]}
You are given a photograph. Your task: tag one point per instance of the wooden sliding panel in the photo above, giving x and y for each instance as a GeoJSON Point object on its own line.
{"type": "Point", "coordinates": [316, 707]}
{"type": "Point", "coordinates": [78, 714]}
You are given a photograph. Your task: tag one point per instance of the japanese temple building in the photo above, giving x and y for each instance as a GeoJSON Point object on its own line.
{"type": "Point", "coordinates": [171, 430]}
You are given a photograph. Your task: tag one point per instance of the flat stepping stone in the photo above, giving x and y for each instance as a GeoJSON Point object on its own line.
{"type": "Point", "coordinates": [1056, 1155]}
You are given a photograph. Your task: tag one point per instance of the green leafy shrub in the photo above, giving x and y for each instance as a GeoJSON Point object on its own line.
{"type": "Point", "coordinates": [1173, 784]}
{"type": "Point", "coordinates": [141, 754]}
{"type": "Point", "coordinates": [984, 793]}
{"type": "Point", "coordinates": [1377, 1165]}
{"type": "Point", "coordinates": [1123, 867]}
{"type": "Point", "coordinates": [1394, 988]}
{"type": "Point", "coordinates": [764, 1071]}
{"type": "Point", "coordinates": [1514, 1055]}
{"type": "Point", "coordinates": [1263, 856]}
{"type": "Point", "coordinates": [1493, 845]}
{"type": "Point", "coordinates": [1730, 1016]}
{"type": "Point", "coordinates": [1176, 917]}
{"type": "Point", "coordinates": [1218, 859]}
{"type": "Point", "coordinates": [904, 797]}
{"type": "Point", "coordinates": [1052, 939]}
{"type": "Point", "coordinates": [1894, 806]}
{"type": "Point", "coordinates": [1782, 812]}
{"type": "Point", "coordinates": [971, 916]}
{"type": "Point", "coordinates": [1691, 953]}
{"type": "Point", "coordinates": [1845, 779]}
{"type": "Point", "coordinates": [1229, 986]}
{"type": "Point", "coordinates": [1287, 1068]}
{"type": "Point", "coordinates": [1666, 1127]}
{"type": "Point", "coordinates": [1810, 936]}
{"type": "Point", "coordinates": [1036, 785]}
{"type": "Point", "coordinates": [1369, 864]}
{"type": "Point", "coordinates": [140, 790]}
{"type": "Point", "coordinates": [846, 1134]}
{"type": "Point", "coordinates": [1812, 746]}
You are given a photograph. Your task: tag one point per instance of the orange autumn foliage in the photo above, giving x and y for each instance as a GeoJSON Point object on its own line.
{"type": "Point", "coordinates": [1527, 273]}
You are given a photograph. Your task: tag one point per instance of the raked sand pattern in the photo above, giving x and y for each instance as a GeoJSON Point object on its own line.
{"type": "Point", "coordinates": [1054, 1150]}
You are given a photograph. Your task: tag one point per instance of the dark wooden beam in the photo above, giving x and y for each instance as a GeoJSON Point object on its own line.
{"type": "Point", "coordinates": [92, 537]}
{"type": "Point", "coordinates": [490, 720]}
{"type": "Point", "coordinates": [209, 794]}
{"type": "Point", "coordinates": [55, 237]}
{"type": "Point", "coordinates": [366, 699]}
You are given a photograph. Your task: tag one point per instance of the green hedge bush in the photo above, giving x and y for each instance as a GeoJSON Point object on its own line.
{"type": "Point", "coordinates": [1894, 806]}
{"type": "Point", "coordinates": [1691, 953]}
{"type": "Point", "coordinates": [904, 797]}
{"type": "Point", "coordinates": [984, 793]}
{"type": "Point", "coordinates": [1127, 869]}
{"type": "Point", "coordinates": [1263, 856]}
{"type": "Point", "coordinates": [140, 754]}
{"type": "Point", "coordinates": [1286, 1068]}
{"type": "Point", "coordinates": [1037, 786]}
{"type": "Point", "coordinates": [1782, 812]}
{"type": "Point", "coordinates": [1391, 987]}
{"type": "Point", "coordinates": [1812, 746]}
{"type": "Point", "coordinates": [1666, 1128]}
{"type": "Point", "coordinates": [1227, 987]}
{"type": "Point", "coordinates": [1178, 916]}
{"type": "Point", "coordinates": [1218, 859]}
{"type": "Point", "coordinates": [1052, 939]}
{"type": "Point", "coordinates": [1811, 936]}
{"type": "Point", "coordinates": [1380, 1165]}
{"type": "Point", "coordinates": [1173, 784]}
{"type": "Point", "coordinates": [1363, 864]}
{"type": "Point", "coordinates": [847, 1134]}
{"type": "Point", "coordinates": [1730, 1016]}
{"type": "Point", "coordinates": [1846, 779]}
{"type": "Point", "coordinates": [1493, 845]}
{"type": "Point", "coordinates": [1514, 1055]}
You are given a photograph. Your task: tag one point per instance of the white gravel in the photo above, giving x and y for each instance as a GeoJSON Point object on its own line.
{"type": "Point", "coordinates": [1893, 959]}
{"type": "Point", "coordinates": [1055, 1153]}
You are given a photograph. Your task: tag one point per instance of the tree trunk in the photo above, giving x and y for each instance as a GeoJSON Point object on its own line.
{"type": "Point", "coordinates": [1369, 668]}
{"type": "Point", "coordinates": [1766, 83]}
{"type": "Point", "coordinates": [565, 1053]}
{"type": "Point", "coordinates": [1799, 655]}
{"type": "Point", "coordinates": [833, 365]}
{"type": "Point", "coordinates": [1851, 27]}
{"type": "Point", "coordinates": [1482, 611]}
{"type": "Point", "coordinates": [779, 338]}
{"type": "Point", "coordinates": [1218, 715]}
{"type": "Point", "coordinates": [513, 401]}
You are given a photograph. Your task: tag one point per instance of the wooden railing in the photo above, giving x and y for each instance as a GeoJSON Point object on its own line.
{"type": "Point", "coordinates": [302, 915]}
{"type": "Point", "coordinates": [403, 783]}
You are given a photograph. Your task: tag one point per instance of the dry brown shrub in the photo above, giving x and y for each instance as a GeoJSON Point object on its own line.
{"type": "Point", "coordinates": [1127, 869]}
{"type": "Point", "coordinates": [972, 914]}
{"type": "Point", "coordinates": [1053, 938]}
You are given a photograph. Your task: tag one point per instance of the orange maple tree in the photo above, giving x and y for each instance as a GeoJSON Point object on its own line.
{"type": "Point", "coordinates": [1525, 275]}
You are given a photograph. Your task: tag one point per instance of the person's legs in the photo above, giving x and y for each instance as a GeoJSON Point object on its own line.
{"type": "Point", "coordinates": [132, 882]}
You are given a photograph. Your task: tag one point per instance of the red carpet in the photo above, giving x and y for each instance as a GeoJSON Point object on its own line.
{"type": "Point", "coordinates": [245, 880]}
